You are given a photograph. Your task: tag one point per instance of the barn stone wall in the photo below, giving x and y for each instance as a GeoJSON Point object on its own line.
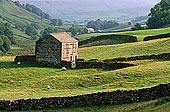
{"type": "Point", "coordinates": [48, 50]}
{"type": "Point", "coordinates": [70, 51]}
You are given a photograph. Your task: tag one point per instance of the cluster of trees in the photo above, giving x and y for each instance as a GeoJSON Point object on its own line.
{"type": "Point", "coordinates": [159, 15]}
{"type": "Point", "coordinates": [76, 30]}
{"type": "Point", "coordinates": [101, 25]}
{"type": "Point", "coordinates": [56, 22]}
{"type": "Point", "coordinates": [30, 30]}
{"type": "Point", "coordinates": [6, 38]}
{"type": "Point", "coordinates": [137, 26]}
{"type": "Point", "coordinates": [50, 30]}
{"type": "Point", "coordinates": [33, 9]}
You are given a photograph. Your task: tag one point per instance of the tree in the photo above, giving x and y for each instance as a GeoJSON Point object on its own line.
{"type": "Point", "coordinates": [159, 15]}
{"type": "Point", "coordinates": [101, 25]}
{"type": "Point", "coordinates": [137, 26]}
{"type": "Point", "coordinates": [4, 44]}
{"type": "Point", "coordinates": [30, 30]}
{"type": "Point", "coordinates": [56, 22]}
{"type": "Point", "coordinates": [35, 25]}
{"type": "Point", "coordinates": [60, 22]}
{"type": "Point", "coordinates": [73, 32]}
{"type": "Point", "coordinates": [49, 30]}
{"type": "Point", "coordinates": [5, 29]}
{"type": "Point", "coordinates": [33, 9]}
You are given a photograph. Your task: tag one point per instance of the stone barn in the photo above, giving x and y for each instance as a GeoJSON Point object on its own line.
{"type": "Point", "coordinates": [56, 48]}
{"type": "Point", "coordinates": [88, 30]}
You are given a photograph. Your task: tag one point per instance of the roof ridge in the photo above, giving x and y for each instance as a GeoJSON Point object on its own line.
{"type": "Point", "coordinates": [63, 37]}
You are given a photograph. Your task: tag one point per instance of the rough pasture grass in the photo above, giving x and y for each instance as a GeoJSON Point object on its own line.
{"type": "Point", "coordinates": [140, 34]}
{"type": "Point", "coordinates": [26, 80]}
{"type": "Point", "coordinates": [126, 50]}
{"type": "Point", "coordinates": [24, 44]}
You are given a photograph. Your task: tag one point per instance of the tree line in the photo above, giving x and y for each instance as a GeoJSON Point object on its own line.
{"type": "Point", "coordinates": [6, 38]}
{"type": "Point", "coordinates": [33, 9]}
{"type": "Point", "coordinates": [101, 25]}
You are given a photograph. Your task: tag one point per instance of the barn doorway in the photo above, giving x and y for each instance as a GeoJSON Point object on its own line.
{"type": "Point", "coordinates": [71, 58]}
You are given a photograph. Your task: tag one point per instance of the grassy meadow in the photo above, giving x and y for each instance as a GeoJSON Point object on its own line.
{"type": "Point", "coordinates": [26, 80]}
{"type": "Point", "coordinates": [140, 34]}
{"type": "Point", "coordinates": [157, 46]}
{"type": "Point", "coordinates": [30, 80]}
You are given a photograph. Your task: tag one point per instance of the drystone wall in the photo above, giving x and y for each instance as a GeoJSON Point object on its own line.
{"type": "Point", "coordinates": [32, 59]}
{"type": "Point", "coordinates": [159, 56]}
{"type": "Point", "coordinates": [157, 37]}
{"type": "Point", "coordinates": [94, 63]}
{"type": "Point", "coordinates": [25, 59]}
{"type": "Point", "coordinates": [127, 38]}
{"type": "Point", "coordinates": [103, 98]}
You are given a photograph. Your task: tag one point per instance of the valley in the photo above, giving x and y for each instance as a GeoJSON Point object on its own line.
{"type": "Point", "coordinates": [21, 81]}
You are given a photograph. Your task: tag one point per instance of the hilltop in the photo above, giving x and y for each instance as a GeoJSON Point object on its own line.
{"type": "Point", "coordinates": [79, 9]}
{"type": "Point", "coordinates": [18, 16]}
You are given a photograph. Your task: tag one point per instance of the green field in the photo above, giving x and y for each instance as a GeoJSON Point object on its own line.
{"type": "Point", "coordinates": [118, 28]}
{"type": "Point", "coordinates": [16, 15]}
{"type": "Point", "coordinates": [140, 34]}
{"type": "Point", "coordinates": [126, 50]}
{"type": "Point", "coordinates": [26, 77]}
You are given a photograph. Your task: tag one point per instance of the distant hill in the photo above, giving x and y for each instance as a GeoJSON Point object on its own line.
{"type": "Point", "coordinates": [93, 9]}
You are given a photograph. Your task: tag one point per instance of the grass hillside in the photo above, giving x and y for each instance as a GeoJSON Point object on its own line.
{"type": "Point", "coordinates": [118, 28]}
{"type": "Point", "coordinates": [16, 15]}
{"type": "Point", "coordinates": [24, 44]}
{"type": "Point", "coordinates": [25, 81]}
{"type": "Point", "coordinates": [125, 50]}
{"type": "Point", "coordinates": [140, 34]}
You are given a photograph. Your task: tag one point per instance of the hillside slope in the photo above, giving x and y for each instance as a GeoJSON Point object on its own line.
{"type": "Point", "coordinates": [147, 73]}
{"type": "Point", "coordinates": [15, 15]}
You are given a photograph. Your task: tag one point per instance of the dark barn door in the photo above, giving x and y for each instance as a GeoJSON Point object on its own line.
{"type": "Point", "coordinates": [71, 58]}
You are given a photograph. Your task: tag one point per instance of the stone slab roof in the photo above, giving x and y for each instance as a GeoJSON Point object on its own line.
{"type": "Point", "coordinates": [63, 37]}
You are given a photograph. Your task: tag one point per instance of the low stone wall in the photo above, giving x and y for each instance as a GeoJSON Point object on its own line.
{"type": "Point", "coordinates": [94, 63]}
{"type": "Point", "coordinates": [25, 59]}
{"type": "Point", "coordinates": [115, 97]}
{"type": "Point", "coordinates": [159, 56]}
{"type": "Point", "coordinates": [127, 38]}
{"type": "Point", "coordinates": [157, 37]}
{"type": "Point", "coordinates": [32, 59]}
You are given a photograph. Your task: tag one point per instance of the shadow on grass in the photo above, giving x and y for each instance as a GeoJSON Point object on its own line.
{"type": "Point", "coordinates": [14, 65]}
{"type": "Point", "coordinates": [25, 65]}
